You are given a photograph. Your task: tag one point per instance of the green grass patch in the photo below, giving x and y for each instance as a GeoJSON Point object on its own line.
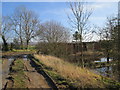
{"type": "Point", "coordinates": [60, 81]}
{"type": "Point", "coordinates": [1, 61]}
{"type": "Point", "coordinates": [18, 66]}
{"type": "Point", "coordinates": [19, 80]}
{"type": "Point", "coordinates": [18, 75]}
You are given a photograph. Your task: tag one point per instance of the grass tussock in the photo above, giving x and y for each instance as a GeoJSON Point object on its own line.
{"type": "Point", "coordinates": [81, 76]}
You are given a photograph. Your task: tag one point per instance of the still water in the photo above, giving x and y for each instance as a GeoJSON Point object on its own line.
{"type": "Point", "coordinates": [25, 57]}
{"type": "Point", "coordinates": [103, 60]}
{"type": "Point", "coordinates": [112, 71]}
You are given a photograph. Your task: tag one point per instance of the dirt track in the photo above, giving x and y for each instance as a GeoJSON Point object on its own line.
{"type": "Point", "coordinates": [5, 71]}
{"type": "Point", "coordinates": [35, 79]}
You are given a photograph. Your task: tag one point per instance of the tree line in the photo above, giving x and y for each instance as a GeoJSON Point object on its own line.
{"type": "Point", "coordinates": [25, 26]}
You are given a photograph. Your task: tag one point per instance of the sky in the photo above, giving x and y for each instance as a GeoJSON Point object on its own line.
{"type": "Point", "coordinates": [57, 11]}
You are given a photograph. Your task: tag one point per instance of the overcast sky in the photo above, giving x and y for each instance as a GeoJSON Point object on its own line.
{"type": "Point", "coordinates": [57, 10]}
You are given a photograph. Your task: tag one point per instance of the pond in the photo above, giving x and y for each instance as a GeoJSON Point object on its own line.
{"type": "Point", "coordinates": [112, 71]}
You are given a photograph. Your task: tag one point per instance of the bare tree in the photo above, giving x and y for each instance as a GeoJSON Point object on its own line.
{"type": "Point", "coordinates": [17, 24]}
{"type": "Point", "coordinates": [79, 19]}
{"type": "Point", "coordinates": [25, 24]}
{"type": "Point", "coordinates": [54, 37]}
{"type": "Point", "coordinates": [31, 25]}
{"type": "Point", "coordinates": [108, 37]}
{"type": "Point", "coordinates": [5, 31]}
{"type": "Point", "coordinates": [53, 31]}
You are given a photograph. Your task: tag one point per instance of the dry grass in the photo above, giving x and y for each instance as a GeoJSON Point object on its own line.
{"type": "Point", "coordinates": [82, 76]}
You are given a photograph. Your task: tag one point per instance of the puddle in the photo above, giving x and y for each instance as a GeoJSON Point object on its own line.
{"type": "Point", "coordinates": [6, 69]}
{"type": "Point", "coordinates": [103, 60]}
{"type": "Point", "coordinates": [11, 59]}
{"type": "Point", "coordinates": [6, 66]}
{"type": "Point", "coordinates": [25, 57]}
{"type": "Point", "coordinates": [103, 70]}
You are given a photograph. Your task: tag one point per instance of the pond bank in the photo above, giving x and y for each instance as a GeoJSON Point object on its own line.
{"type": "Point", "coordinates": [111, 69]}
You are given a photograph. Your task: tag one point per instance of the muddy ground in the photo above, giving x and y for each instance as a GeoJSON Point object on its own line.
{"type": "Point", "coordinates": [34, 79]}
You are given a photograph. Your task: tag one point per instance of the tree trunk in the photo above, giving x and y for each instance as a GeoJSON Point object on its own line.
{"type": "Point", "coordinates": [5, 47]}
{"type": "Point", "coordinates": [27, 43]}
{"type": "Point", "coordinates": [108, 58]}
{"type": "Point", "coordinates": [21, 43]}
{"type": "Point", "coordinates": [107, 71]}
{"type": "Point", "coordinates": [82, 54]}
{"type": "Point", "coordinates": [107, 55]}
{"type": "Point", "coordinates": [11, 46]}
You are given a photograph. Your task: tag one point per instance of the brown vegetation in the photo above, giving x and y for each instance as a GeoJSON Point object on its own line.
{"type": "Point", "coordinates": [80, 76]}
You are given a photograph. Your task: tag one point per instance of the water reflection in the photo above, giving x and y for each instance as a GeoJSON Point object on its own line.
{"type": "Point", "coordinates": [104, 70]}
{"type": "Point", "coordinates": [25, 57]}
{"type": "Point", "coordinates": [103, 60]}
{"type": "Point", "coordinates": [11, 59]}
{"type": "Point", "coordinates": [110, 71]}
{"type": "Point", "coordinates": [6, 65]}
{"type": "Point", "coordinates": [6, 69]}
